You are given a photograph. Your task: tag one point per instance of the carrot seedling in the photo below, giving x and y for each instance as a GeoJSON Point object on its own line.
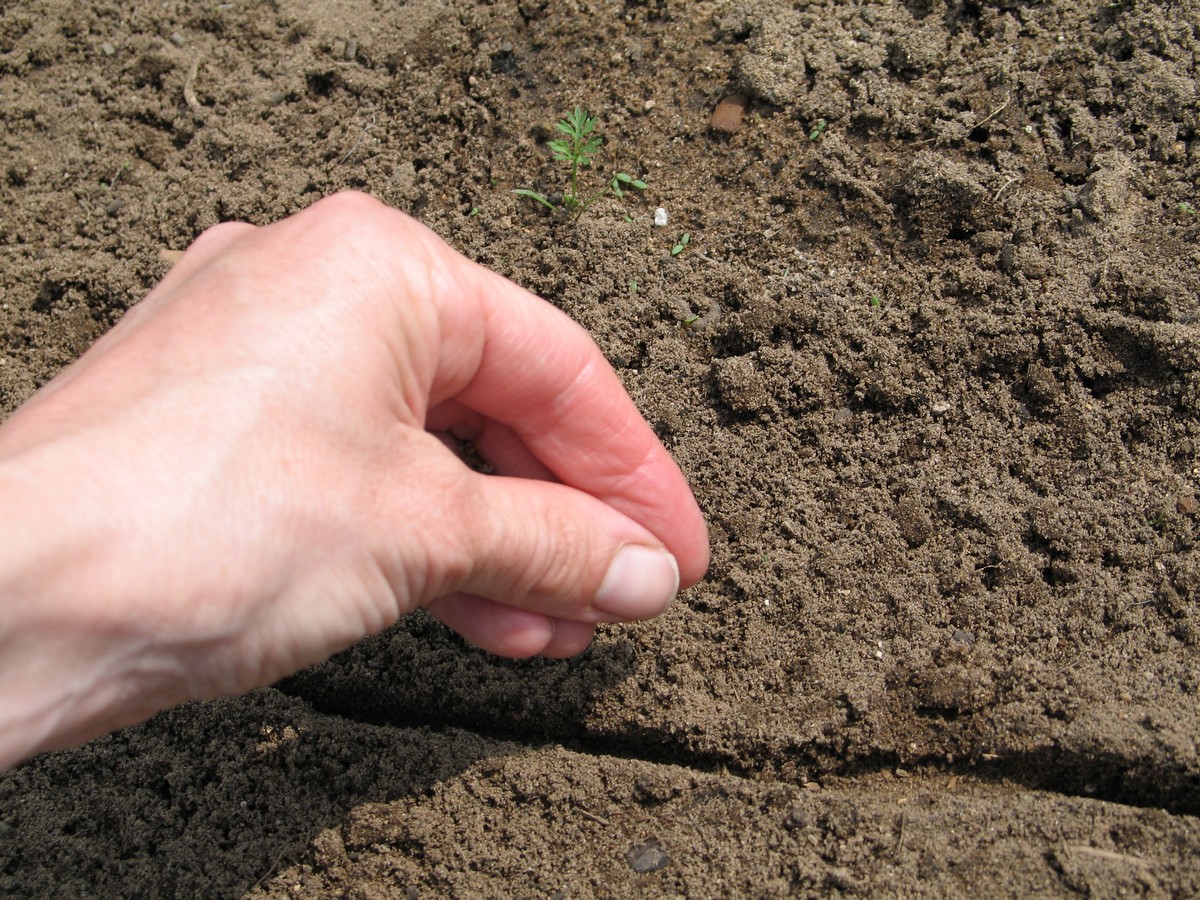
{"type": "Point", "coordinates": [577, 148]}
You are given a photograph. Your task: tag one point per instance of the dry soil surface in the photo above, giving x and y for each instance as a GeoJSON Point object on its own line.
{"type": "Point", "coordinates": [930, 358]}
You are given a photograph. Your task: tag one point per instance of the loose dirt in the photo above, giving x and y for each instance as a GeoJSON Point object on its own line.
{"type": "Point", "coordinates": [931, 360]}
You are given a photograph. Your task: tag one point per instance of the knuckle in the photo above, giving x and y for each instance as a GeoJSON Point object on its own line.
{"type": "Point", "coordinates": [353, 204]}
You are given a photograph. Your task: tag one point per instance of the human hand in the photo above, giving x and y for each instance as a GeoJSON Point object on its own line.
{"type": "Point", "coordinates": [252, 470]}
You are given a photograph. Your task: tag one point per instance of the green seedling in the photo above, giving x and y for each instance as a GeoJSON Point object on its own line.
{"type": "Point", "coordinates": [876, 303]}
{"type": "Point", "coordinates": [818, 129]}
{"type": "Point", "coordinates": [679, 247]}
{"type": "Point", "coordinates": [1184, 207]}
{"type": "Point", "coordinates": [577, 148]}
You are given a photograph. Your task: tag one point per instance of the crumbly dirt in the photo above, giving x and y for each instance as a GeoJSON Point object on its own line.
{"type": "Point", "coordinates": [931, 360]}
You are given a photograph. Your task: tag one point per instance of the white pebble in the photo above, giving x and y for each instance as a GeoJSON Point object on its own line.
{"type": "Point", "coordinates": [660, 217]}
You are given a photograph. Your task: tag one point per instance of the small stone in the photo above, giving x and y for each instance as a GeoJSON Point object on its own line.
{"type": "Point", "coordinates": [843, 415]}
{"type": "Point", "coordinates": [962, 637]}
{"type": "Point", "coordinates": [1188, 506]}
{"type": "Point", "coordinates": [107, 49]}
{"type": "Point", "coordinates": [797, 817]}
{"type": "Point", "coordinates": [177, 39]}
{"type": "Point", "coordinates": [812, 787]}
{"type": "Point", "coordinates": [660, 218]}
{"type": "Point", "coordinates": [647, 106]}
{"type": "Point", "coordinates": [647, 857]}
{"type": "Point", "coordinates": [113, 206]}
{"type": "Point", "coordinates": [727, 117]}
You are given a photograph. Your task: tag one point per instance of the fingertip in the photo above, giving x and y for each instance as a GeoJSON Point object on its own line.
{"type": "Point", "coordinates": [570, 639]}
{"type": "Point", "coordinates": [499, 629]}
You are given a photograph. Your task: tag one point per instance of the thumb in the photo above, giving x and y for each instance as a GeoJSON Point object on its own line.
{"type": "Point", "coordinates": [554, 550]}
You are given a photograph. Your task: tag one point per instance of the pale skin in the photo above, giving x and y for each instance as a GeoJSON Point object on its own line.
{"type": "Point", "coordinates": [255, 469]}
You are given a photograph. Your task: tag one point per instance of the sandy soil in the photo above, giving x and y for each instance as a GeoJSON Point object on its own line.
{"type": "Point", "coordinates": [931, 359]}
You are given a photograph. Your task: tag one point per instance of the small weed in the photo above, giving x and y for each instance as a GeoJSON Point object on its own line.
{"type": "Point", "coordinates": [633, 286]}
{"type": "Point", "coordinates": [681, 244]}
{"type": "Point", "coordinates": [577, 148]}
{"type": "Point", "coordinates": [1184, 207]}
{"type": "Point", "coordinates": [473, 213]}
{"type": "Point", "coordinates": [876, 303]}
{"type": "Point", "coordinates": [818, 129]}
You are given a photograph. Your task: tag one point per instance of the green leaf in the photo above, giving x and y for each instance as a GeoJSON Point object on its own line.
{"type": "Point", "coordinates": [533, 195]}
{"type": "Point", "coordinates": [639, 184]}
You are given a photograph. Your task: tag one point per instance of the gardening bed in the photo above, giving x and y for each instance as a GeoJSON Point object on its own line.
{"type": "Point", "coordinates": [930, 358]}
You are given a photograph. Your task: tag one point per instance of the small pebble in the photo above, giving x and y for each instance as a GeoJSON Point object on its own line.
{"type": "Point", "coordinates": [1188, 506]}
{"type": "Point", "coordinates": [660, 218]}
{"type": "Point", "coordinates": [107, 49]}
{"type": "Point", "coordinates": [727, 117]}
{"type": "Point", "coordinates": [797, 817]}
{"type": "Point", "coordinates": [177, 39]}
{"type": "Point", "coordinates": [843, 414]}
{"type": "Point", "coordinates": [647, 857]}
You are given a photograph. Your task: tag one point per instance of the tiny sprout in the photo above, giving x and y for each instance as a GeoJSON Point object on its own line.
{"type": "Point", "coordinates": [577, 149]}
{"type": "Point", "coordinates": [679, 247]}
{"type": "Point", "coordinates": [1184, 207]}
{"type": "Point", "coordinates": [818, 129]}
{"type": "Point", "coordinates": [473, 213]}
{"type": "Point", "coordinates": [876, 303]}
{"type": "Point", "coordinates": [628, 181]}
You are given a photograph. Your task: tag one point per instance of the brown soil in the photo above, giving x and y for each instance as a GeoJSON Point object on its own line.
{"type": "Point", "coordinates": [931, 360]}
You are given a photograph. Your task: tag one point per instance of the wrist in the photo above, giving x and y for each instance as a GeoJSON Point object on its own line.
{"type": "Point", "coordinates": [65, 648]}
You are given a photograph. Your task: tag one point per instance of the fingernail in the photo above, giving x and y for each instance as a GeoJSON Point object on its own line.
{"type": "Point", "coordinates": [640, 583]}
